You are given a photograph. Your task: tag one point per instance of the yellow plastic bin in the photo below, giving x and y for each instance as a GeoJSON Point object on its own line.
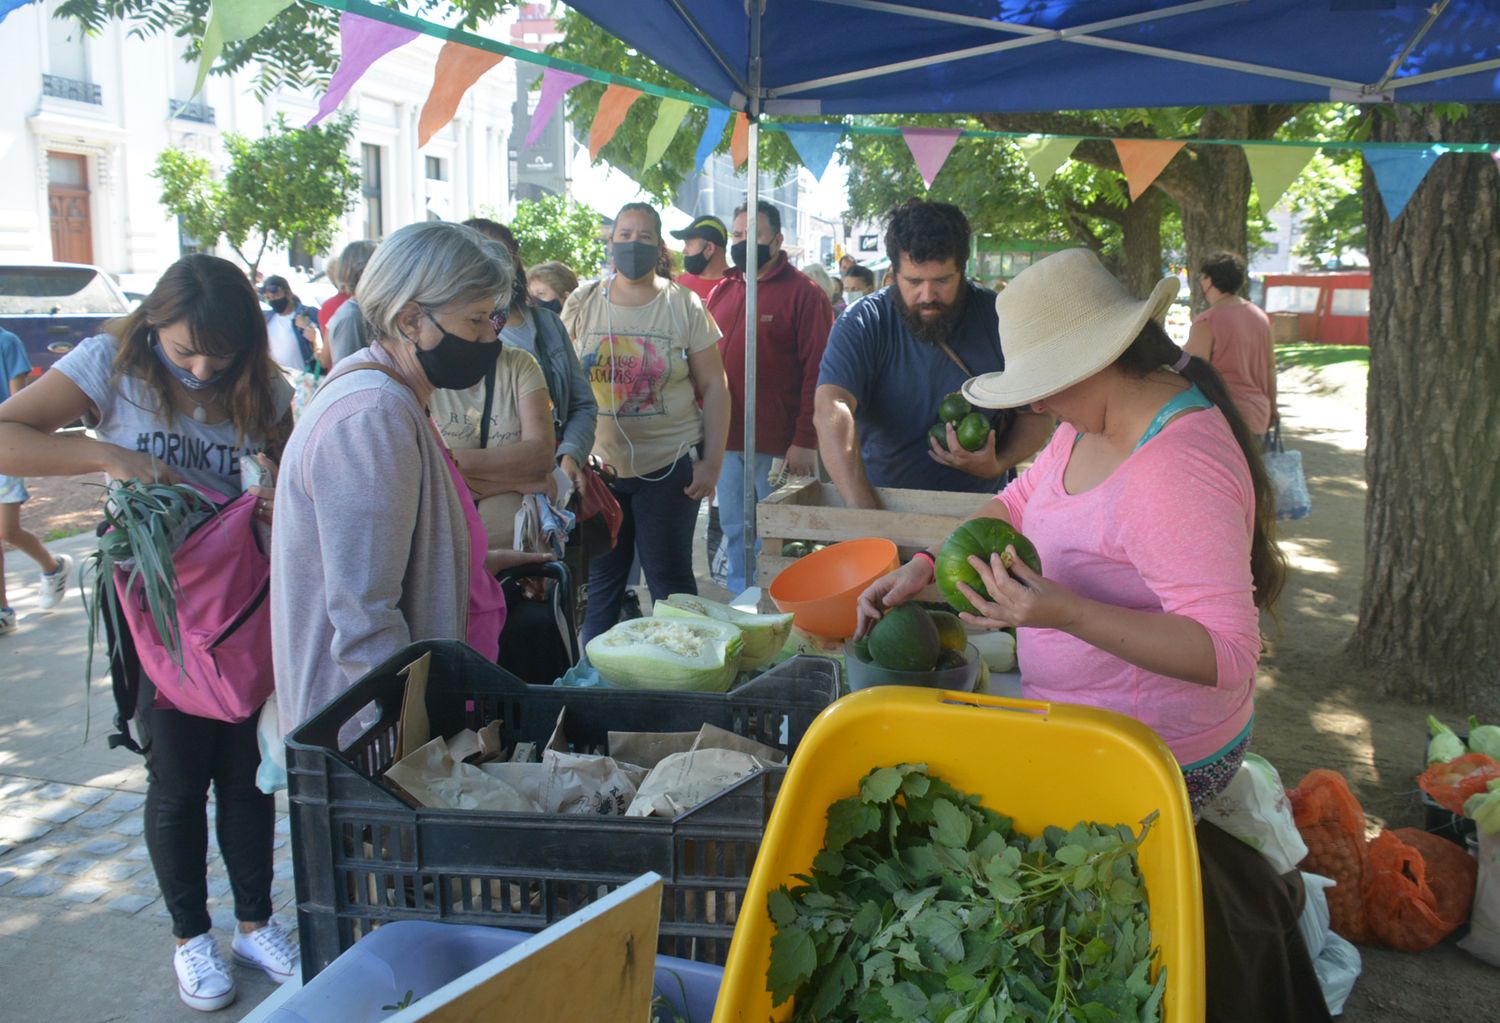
{"type": "Point", "coordinates": [1037, 763]}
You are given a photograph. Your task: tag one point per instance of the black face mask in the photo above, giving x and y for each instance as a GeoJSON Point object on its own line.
{"type": "Point", "coordinates": [457, 364]}
{"type": "Point", "coordinates": [552, 303]}
{"type": "Point", "coordinates": [279, 305]}
{"type": "Point", "coordinates": [635, 260]}
{"type": "Point", "coordinates": [738, 252]}
{"type": "Point", "coordinates": [695, 264]}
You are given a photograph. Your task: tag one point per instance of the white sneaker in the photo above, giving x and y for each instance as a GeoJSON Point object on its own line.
{"type": "Point", "coordinates": [55, 584]}
{"type": "Point", "coordinates": [270, 948]}
{"type": "Point", "coordinates": [203, 979]}
{"type": "Point", "coordinates": [7, 620]}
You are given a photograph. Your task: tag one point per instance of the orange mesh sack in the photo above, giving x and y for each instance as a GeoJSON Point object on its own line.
{"type": "Point", "coordinates": [1418, 888]}
{"type": "Point", "coordinates": [1451, 784]}
{"type": "Point", "coordinates": [1332, 824]}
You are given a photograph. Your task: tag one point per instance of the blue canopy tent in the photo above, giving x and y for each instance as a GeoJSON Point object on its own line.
{"type": "Point", "coordinates": [834, 57]}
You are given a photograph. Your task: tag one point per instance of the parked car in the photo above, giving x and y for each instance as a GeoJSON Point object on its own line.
{"type": "Point", "coordinates": [54, 306]}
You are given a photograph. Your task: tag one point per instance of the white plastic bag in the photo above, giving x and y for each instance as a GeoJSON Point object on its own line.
{"type": "Point", "coordinates": [1336, 961]}
{"type": "Point", "coordinates": [270, 776]}
{"type": "Point", "coordinates": [1254, 809]}
{"type": "Point", "coordinates": [1338, 968]}
{"type": "Point", "coordinates": [1483, 939]}
{"type": "Point", "coordinates": [1315, 922]}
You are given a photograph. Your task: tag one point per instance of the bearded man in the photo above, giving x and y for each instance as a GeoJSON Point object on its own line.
{"type": "Point", "coordinates": [892, 358]}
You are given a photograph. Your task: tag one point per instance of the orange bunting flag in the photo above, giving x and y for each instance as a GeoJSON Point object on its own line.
{"type": "Point", "coordinates": [739, 142]}
{"type": "Point", "coordinates": [1142, 161]}
{"type": "Point", "coordinates": [458, 68]}
{"type": "Point", "coordinates": [613, 106]}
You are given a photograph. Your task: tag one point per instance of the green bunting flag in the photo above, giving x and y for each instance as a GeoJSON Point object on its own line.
{"type": "Point", "coordinates": [229, 23]}
{"type": "Point", "coordinates": [1273, 169]}
{"type": "Point", "coordinates": [1045, 155]}
{"type": "Point", "coordinates": [669, 118]}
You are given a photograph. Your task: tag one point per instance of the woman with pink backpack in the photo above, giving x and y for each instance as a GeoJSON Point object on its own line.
{"type": "Point", "coordinates": [179, 391]}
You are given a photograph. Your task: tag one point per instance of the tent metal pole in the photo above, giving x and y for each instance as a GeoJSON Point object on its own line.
{"type": "Point", "coordinates": [752, 292]}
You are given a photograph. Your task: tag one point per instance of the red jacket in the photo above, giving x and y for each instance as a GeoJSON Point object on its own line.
{"type": "Point", "coordinates": [795, 318]}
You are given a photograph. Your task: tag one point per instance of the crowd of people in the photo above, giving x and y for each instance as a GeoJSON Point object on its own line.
{"type": "Point", "coordinates": [464, 406]}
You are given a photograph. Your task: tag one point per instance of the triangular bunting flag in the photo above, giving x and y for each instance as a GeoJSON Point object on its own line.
{"type": "Point", "coordinates": [458, 68]}
{"type": "Point", "coordinates": [815, 144]}
{"type": "Point", "coordinates": [930, 148]}
{"type": "Point", "coordinates": [555, 84]}
{"type": "Point", "coordinates": [713, 131]}
{"type": "Point", "coordinates": [1046, 155]}
{"type": "Point", "coordinates": [1143, 160]}
{"type": "Point", "coordinates": [668, 121]}
{"type": "Point", "coordinates": [1273, 169]}
{"type": "Point", "coordinates": [362, 41]}
{"type": "Point", "coordinates": [229, 23]}
{"type": "Point", "coordinates": [613, 106]}
{"type": "Point", "coordinates": [739, 141]}
{"type": "Point", "coordinates": [1398, 172]}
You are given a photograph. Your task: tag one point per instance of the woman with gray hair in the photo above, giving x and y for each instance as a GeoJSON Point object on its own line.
{"type": "Point", "coordinates": [350, 590]}
{"type": "Point", "coordinates": [346, 327]}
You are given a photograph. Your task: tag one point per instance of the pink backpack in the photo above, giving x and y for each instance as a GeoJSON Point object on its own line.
{"type": "Point", "coordinates": [224, 614]}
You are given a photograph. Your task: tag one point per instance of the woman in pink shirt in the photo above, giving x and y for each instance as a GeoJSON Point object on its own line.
{"type": "Point", "coordinates": [1150, 511]}
{"type": "Point", "coordinates": [1234, 336]}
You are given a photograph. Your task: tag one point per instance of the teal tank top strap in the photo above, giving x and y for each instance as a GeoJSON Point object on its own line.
{"type": "Point", "coordinates": [1192, 398]}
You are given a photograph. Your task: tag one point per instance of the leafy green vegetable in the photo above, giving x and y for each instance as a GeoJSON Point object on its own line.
{"type": "Point", "coordinates": [1445, 744]}
{"type": "Point", "coordinates": [926, 906]}
{"type": "Point", "coordinates": [1484, 738]}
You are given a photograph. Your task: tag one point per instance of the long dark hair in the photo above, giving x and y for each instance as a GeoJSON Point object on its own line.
{"type": "Point", "coordinates": [1151, 350]}
{"type": "Point", "coordinates": [217, 303]}
{"type": "Point", "coordinates": [520, 296]}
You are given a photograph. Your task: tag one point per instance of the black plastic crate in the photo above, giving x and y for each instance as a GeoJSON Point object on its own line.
{"type": "Point", "coordinates": [365, 855]}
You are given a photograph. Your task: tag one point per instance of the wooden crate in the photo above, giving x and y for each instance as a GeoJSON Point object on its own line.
{"type": "Point", "coordinates": [812, 510]}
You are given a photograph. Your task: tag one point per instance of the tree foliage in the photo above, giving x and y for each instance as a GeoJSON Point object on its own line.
{"type": "Point", "coordinates": [298, 47]}
{"type": "Point", "coordinates": [290, 184]}
{"type": "Point", "coordinates": [555, 227]}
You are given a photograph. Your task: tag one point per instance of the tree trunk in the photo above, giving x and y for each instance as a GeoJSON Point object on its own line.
{"type": "Point", "coordinates": [1141, 251]}
{"type": "Point", "coordinates": [1430, 605]}
{"type": "Point", "coordinates": [1211, 186]}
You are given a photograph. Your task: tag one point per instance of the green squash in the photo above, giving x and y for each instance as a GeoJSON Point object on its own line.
{"type": "Point", "coordinates": [905, 640]}
{"type": "Point", "coordinates": [696, 655]}
{"type": "Point", "coordinates": [980, 538]}
{"type": "Point", "coordinates": [953, 408]}
{"type": "Point", "coordinates": [973, 430]}
{"type": "Point", "coordinates": [763, 634]}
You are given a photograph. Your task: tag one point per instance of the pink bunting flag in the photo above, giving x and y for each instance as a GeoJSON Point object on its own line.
{"type": "Point", "coordinates": [930, 148]}
{"type": "Point", "coordinates": [555, 85]}
{"type": "Point", "coordinates": [362, 41]}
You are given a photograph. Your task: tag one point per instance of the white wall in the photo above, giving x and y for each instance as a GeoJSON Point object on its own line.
{"type": "Point", "coordinates": [122, 135]}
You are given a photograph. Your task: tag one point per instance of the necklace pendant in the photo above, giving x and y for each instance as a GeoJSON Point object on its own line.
{"type": "Point", "coordinates": [200, 413]}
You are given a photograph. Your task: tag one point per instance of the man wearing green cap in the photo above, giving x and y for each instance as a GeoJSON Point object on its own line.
{"type": "Point", "coordinates": [705, 242]}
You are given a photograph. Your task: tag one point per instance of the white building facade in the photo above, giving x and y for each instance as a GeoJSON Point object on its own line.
{"type": "Point", "coordinates": [83, 119]}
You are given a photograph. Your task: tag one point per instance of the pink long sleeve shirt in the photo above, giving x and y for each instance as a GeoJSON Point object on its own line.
{"type": "Point", "coordinates": [1168, 531]}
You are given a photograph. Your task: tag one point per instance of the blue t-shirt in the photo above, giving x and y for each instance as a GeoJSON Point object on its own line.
{"type": "Point", "coordinates": [13, 361]}
{"type": "Point", "coordinates": [899, 382]}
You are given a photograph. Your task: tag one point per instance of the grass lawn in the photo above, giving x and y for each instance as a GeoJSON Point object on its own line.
{"type": "Point", "coordinates": [1318, 356]}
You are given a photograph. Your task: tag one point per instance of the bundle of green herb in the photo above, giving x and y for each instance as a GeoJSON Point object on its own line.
{"type": "Point", "coordinates": [148, 521]}
{"type": "Point", "coordinates": [926, 906]}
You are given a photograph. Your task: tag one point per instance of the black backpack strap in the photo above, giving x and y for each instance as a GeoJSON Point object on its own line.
{"type": "Point", "coordinates": [132, 689]}
{"type": "Point", "coordinates": [489, 403]}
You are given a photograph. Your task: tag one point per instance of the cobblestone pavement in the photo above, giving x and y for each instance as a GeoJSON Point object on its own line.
{"type": "Point", "coordinates": [84, 845]}
{"type": "Point", "coordinates": [84, 934]}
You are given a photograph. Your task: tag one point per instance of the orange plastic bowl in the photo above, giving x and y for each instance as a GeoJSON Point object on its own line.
{"type": "Point", "coordinates": [821, 590]}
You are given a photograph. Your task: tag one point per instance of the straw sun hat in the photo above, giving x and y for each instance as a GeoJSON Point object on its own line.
{"type": "Point", "coordinates": [1061, 321]}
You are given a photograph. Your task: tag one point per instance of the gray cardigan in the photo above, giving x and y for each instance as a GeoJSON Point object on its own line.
{"type": "Point", "coordinates": [370, 548]}
{"type": "Point", "coordinates": [574, 408]}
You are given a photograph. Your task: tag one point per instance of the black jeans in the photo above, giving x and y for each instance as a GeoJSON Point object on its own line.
{"type": "Point", "coordinates": [659, 519]}
{"type": "Point", "coordinates": [186, 754]}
